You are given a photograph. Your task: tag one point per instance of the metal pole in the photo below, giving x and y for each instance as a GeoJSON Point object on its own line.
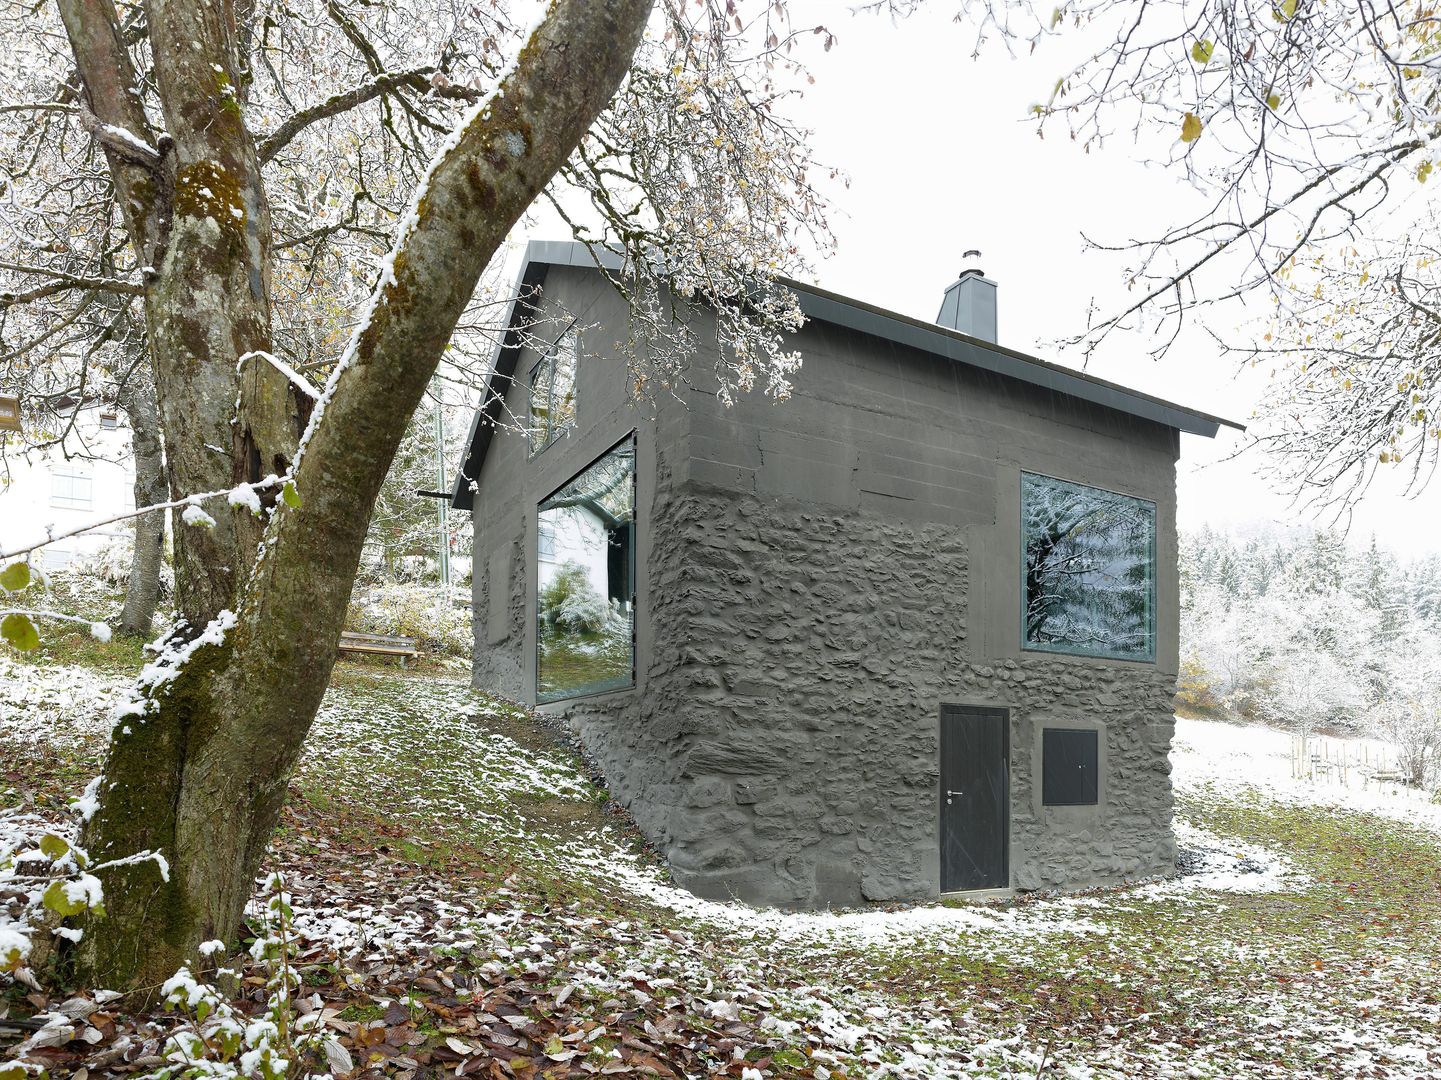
{"type": "Point", "coordinates": [442, 504]}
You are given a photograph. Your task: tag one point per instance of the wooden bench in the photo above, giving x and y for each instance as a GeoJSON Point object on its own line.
{"type": "Point", "coordinates": [378, 645]}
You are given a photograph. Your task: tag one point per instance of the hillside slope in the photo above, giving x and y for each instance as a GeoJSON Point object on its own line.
{"type": "Point", "coordinates": [465, 898]}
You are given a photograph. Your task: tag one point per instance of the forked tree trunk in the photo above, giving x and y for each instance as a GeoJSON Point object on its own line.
{"type": "Point", "coordinates": [202, 776]}
{"type": "Point", "coordinates": [142, 593]}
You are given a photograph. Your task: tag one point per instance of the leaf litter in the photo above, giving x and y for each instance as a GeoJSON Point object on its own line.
{"type": "Point", "coordinates": [467, 903]}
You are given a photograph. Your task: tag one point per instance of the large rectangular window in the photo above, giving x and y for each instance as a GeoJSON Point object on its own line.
{"type": "Point", "coordinates": [552, 393]}
{"type": "Point", "coordinates": [70, 486]}
{"type": "Point", "coordinates": [1088, 570]}
{"type": "Point", "coordinates": [585, 581]}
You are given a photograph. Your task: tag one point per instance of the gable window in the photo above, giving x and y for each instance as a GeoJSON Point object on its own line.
{"type": "Point", "coordinates": [70, 486]}
{"type": "Point", "coordinates": [1088, 570]}
{"type": "Point", "coordinates": [585, 581]}
{"type": "Point", "coordinates": [552, 393]}
{"type": "Point", "coordinates": [1070, 767]}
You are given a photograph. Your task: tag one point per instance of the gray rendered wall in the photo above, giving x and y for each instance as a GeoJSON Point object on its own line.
{"type": "Point", "coordinates": [851, 560]}
{"type": "Point", "coordinates": [817, 577]}
{"type": "Point", "coordinates": [631, 734]}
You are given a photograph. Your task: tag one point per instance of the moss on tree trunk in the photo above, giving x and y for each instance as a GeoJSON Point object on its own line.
{"type": "Point", "coordinates": [201, 777]}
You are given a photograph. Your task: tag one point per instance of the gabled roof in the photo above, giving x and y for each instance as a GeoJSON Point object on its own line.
{"type": "Point", "coordinates": [827, 307]}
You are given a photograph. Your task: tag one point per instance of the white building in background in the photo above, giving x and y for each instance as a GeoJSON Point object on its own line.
{"type": "Point", "coordinates": [41, 489]}
{"type": "Point", "coordinates": [572, 535]}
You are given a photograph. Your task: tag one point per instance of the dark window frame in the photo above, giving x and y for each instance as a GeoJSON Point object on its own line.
{"type": "Point", "coordinates": [551, 699]}
{"type": "Point", "coordinates": [1090, 745]}
{"type": "Point", "coordinates": [1061, 649]}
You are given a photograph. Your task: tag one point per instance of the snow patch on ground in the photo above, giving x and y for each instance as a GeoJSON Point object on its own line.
{"type": "Point", "coordinates": [471, 773]}
{"type": "Point", "coordinates": [1277, 1001]}
{"type": "Point", "coordinates": [56, 705]}
{"type": "Point", "coordinates": [1242, 759]}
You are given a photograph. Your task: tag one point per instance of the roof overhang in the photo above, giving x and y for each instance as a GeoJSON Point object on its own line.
{"type": "Point", "coordinates": [826, 307]}
{"type": "Point", "coordinates": [975, 352]}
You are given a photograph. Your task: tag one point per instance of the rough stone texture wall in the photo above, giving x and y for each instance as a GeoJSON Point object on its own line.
{"type": "Point", "coordinates": [639, 738]}
{"type": "Point", "coordinates": [811, 641]}
{"type": "Point", "coordinates": [816, 649]}
{"type": "Point", "coordinates": [816, 579]}
{"type": "Point", "coordinates": [498, 613]}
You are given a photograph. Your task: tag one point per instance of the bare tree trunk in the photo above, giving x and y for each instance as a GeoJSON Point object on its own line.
{"type": "Point", "coordinates": [143, 591]}
{"type": "Point", "coordinates": [202, 776]}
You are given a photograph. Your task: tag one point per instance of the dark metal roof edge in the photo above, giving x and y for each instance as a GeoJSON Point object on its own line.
{"type": "Point", "coordinates": [539, 255]}
{"type": "Point", "coordinates": [570, 253]}
{"type": "Point", "coordinates": [818, 303]}
{"type": "Point", "coordinates": [461, 497]}
{"type": "Point", "coordinates": [853, 314]}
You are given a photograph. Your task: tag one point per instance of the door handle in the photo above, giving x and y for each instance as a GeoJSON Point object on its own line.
{"type": "Point", "coordinates": [950, 793]}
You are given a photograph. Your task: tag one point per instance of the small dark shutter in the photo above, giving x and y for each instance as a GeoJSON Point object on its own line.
{"type": "Point", "coordinates": [1070, 769]}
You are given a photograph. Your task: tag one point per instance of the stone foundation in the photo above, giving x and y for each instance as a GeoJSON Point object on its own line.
{"type": "Point", "coordinates": [786, 754]}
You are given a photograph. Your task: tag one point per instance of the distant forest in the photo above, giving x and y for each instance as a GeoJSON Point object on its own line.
{"type": "Point", "coordinates": [1311, 632]}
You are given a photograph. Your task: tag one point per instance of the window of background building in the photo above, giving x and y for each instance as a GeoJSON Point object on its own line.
{"type": "Point", "coordinates": [70, 485]}
{"type": "Point", "coordinates": [585, 584]}
{"type": "Point", "coordinates": [545, 541]}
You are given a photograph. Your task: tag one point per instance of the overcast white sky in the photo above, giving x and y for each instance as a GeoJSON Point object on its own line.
{"type": "Point", "coordinates": [941, 158]}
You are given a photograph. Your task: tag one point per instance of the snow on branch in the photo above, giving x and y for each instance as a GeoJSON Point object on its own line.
{"type": "Point", "coordinates": [98, 630]}
{"type": "Point", "coordinates": [60, 281]}
{"type": "Point", "coordinates": [299, 381]}
{"type": "Point", "coordinates": [122, 142]}
{"type": "Point", "coordinates": [404, 228]}
{"type": "Point", "coordinates": [170, 659]}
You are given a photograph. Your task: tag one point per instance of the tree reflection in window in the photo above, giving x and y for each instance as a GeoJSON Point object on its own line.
{"type": "Point", "coordinates": [552, 393]}
{"type": "Point", "coordinates": [1089, 573]}
{"type": "Point", "coordinates": [585, 576]}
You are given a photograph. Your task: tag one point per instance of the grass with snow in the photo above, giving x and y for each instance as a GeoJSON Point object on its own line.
{"type": "Point", "coordinates": [428, 817]}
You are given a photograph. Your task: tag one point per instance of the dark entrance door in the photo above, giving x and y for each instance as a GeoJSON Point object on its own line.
{"type": "Point", "coordinates": [975, 798]}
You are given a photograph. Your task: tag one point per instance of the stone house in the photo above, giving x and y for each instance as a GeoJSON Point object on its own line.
{"type": "Point", "coordinates": [912, 632]}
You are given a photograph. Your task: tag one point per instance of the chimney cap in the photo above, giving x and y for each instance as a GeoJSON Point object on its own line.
{"type": "Point", "coordinates": [969, 303]}
{"type": "Point", "coordinates": [971, 253]}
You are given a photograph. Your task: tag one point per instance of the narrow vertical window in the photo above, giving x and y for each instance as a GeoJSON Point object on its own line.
{"type": "Point", "coordinates": [585, 581]}
{"type": "Point", "coordinates": [1088, 570]}
{"type": "Point", "coordinates": [552, 393]}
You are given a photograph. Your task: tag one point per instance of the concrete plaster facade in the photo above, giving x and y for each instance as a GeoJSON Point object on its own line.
{"type": "Point", "coordinates": [815, 579]}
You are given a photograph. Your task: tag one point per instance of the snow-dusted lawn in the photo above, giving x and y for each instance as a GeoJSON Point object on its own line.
{"type": "Point", "coordinates": [1252, 967]}
{"type": "Point", "coordinates": [426, 817]}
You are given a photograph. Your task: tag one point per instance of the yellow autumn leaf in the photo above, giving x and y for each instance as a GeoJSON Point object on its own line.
{"type": "Point", "coordinates": [1201, 52]}
{"type": "Point", "coordinates": [1191, 128]}
{"type": "Point", "coordinates": [1273, 101]}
